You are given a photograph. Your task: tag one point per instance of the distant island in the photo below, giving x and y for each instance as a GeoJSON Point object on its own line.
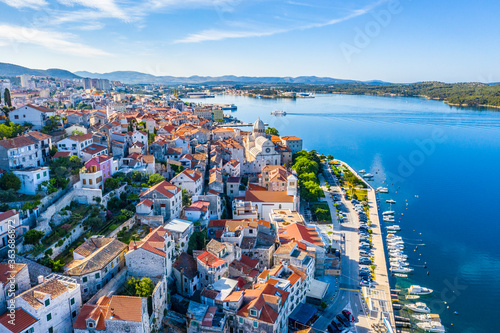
{"type": "Point", "coordinates": [471, 94]}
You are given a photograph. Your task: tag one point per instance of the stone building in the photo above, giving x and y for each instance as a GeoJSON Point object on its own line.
{"type": "Point", "coordinates": [166, 198]}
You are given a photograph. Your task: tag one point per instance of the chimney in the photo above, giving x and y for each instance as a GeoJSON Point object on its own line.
{"type": "Point", "coordinates": [41, 279]}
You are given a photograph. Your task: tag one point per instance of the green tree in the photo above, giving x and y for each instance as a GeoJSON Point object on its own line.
{"type": "Point", "coordinates": [112, 183]}
{"type": "Point", "coordinates": [272, 131]}
{"type": "Point", "coordinates": [196, 241]}
{"type": "Point", "coordinates": [330, 157]}
{"type": "Point", "coordinates": [6, 97]}
{"type": "Point", "coordinates": [186, 198]}
{"type": "Point", "coordinates": [33, 236]}
{"type": "Point", "coordinates": [93, 222]}
{"type": "Point", "coordinates": [8, 180]}
{"type": "Point", "coordinates": [155, 179]}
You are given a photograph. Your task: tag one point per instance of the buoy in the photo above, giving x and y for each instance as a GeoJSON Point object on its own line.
{"type": "Point", "coordinates": [427, 272]}
{"type": "Point", "coordinates": [455, 312]}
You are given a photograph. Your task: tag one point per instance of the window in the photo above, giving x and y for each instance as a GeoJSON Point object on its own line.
{"type": "Point", "coordinates": [97, 275]}
{"type": "Point", "coordinates": [47, 302]}
{"type": "Point", "coordinates": [73, 314]}
{"type": "Point", "coordinates": [85, 290]}
{"type": "Point", "coordinates": [37, 176]}
{"type": "Point", "coordinates": [84, 182]}
{"type": "Point", "coordinates": [255, 324]}
{"type": "Point", "coordinates": [72, 301]}
{"type": "Point", "coordinates": [253, 313]}
{"type": "Point", "coordinates": [16, 117]}
{"type": "Point", "coordinates": [49, 316]}
{"type": "Point", "coordinates": [91, 325]}
{"type": "Point", "coordinates": [84, 279]}
{"type": "Point", "coordinates": [51, 330]}
{"type": "Point", "coordinates": [240, 320]}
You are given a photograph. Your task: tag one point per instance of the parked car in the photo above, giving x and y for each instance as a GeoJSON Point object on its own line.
{"type": "Point", "coordinates": [348, 315]}
{"type": "Point", "coordinates": [332, 329]}
{"type": "Point", "coordinates": [343, 320]}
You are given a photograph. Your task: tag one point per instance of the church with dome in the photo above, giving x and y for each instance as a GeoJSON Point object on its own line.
{"type": "Point", "coordinates": [259, 148]}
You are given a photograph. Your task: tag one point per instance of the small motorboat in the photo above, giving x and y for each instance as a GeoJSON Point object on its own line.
{"type": "Point", "coordinates": [432, 326]}
{"type": "Point", "coordinates": [367, 175]}
{"type": "Point", "coordinates": [412, 297]}
{"type": "Point", "coordinates": [382, 189]}
{"type": "Point", "coordinates": [427, 317]}
{"type": "Point", "coordinates": [401, 269]}
{"type": "Point", "coordinates": [394, 227]}
{"type": "Point", "coordinates": [401, 275]}
{"type": "Point", "coordinates": [390, 201]}
{"type": "Point", "coordinates": [388, 212]}
{"type": "Point", "coordinates": [418, 290]}
{"type": "Point", "coordinates": [362, 171]}
{"type": "Point", "coordinates": [420, 307]}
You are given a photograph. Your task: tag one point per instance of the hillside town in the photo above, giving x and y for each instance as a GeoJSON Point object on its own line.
{"type": "Point", "coordinates": [126, 211]}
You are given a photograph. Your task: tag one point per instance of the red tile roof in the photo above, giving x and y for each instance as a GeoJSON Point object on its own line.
{"type": "Point", "coordinates": [210, 260]}
{"type": "Point", "coordinates": [298, 232]}
{"type": "Point", "coordinates": [164, 188]}
{"type": "Point", "coordinates": [22, 321]}
{"type": "Point", "coordinates": [268, 196]}
{"type": "Point", "coordinates": [7, 214]}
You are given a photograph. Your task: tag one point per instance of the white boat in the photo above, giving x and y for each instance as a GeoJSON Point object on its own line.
{"type": "Point", "coordinates": [278, 113]}
{"type": "Point", "coordinates": [367, 175]}
{"type": "Point", "coordinates": [382, 189]}
{"type": "Point", "coordinates": [412, 297]}
{"type": "Point", "coordinates": [388, 218]}
{"type": "Point", "coordinates": [394, 227]}
{"type": "Point", "coordinates": [432, 326]}
{"type": "Point", "coordinates": [427, 317]}
{"type": "Point", "coordinates": [401, 275]}
{"type": "Point", "coordinates": [418, 290]}
{"type": "Point", "coordinates": [420, 307]}
{"type": "Point", "coordinates": [362, 171]}
{"type": "Point", "coordinates": [390, 201]}
{"type": "Point", "coordinates": [388, 212]}
{"type": "Point", "coordinates": [401, 269]}
{"type": "Point", "coordinates": [399, 262]}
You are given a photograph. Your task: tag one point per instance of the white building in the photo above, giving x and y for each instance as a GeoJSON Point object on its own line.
{"type": "Point", "coordinates": [189, 180]}
{"type": "Point", "coordinates": [166, 198]}
{"type": "Point", "coordinates": [10, 220]}
{"type": "Point", "coordinates": [36, 115]}
{"type": "Point", "coordinates": [32, 179]}
{"type": "Point", "coordinates": [18, 153]}
{"type": "Point", "coordinates": [181, 231]}
{"type": "Point", "coordinates": [55, 303]}
{"type": "Point", "coordinates": [151, 256]}
{"type": "Point", "coordinates": [75, 144]}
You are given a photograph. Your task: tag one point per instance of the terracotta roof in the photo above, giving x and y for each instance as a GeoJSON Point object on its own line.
{"type": "Point", "coordinates": [234, 296]}
{"type": "Point", "coordinates": [40, 108]}
{"type": "Point", "coordinates": [186, 264]}
{"type": "Point", "coordinates": [191, 174]}
{"type": "Point", "coordinates": [126, 308]}
{"type": "Point", "coordinates": [291, 138]}
{"type": "Point", "coordinates": [268, 196]}
{"type": "Point", "coordinates": [210, 260]}
{"type": "Point", "coordinates": [81, 137]}
{"type": "Point", "coordinates": [198, 206]}
{"type": "Point", "coordinates": [94, 149]}
{"type": "Point", "coordinates": [215, 247]}
{"type": "Point", "coordinates": [7, 214]}
{"type": "Point", "coordinates": [18, 141]}
{"type": "Point", "coordinates": [39, 136]}
{"type": "Point", "coordinates": [262, 295]}
{"type": "Point", "coordinates": [153, 242]}
{"type": "Point", "coordinates": [8, 270]}
{"type": "Point", "coordinates": [146, 202]}
{"type": "Point", "coordinates": [299, 232]}
{"type": "Point", "coordinates": [35, 295]}
{"type": "Point", "coordinates": [164, 188]}
{"type": "Point", "coordinates": [22, 321]}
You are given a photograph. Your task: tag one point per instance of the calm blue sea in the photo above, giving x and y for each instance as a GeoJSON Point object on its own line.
{"type": "Point", "coordinates": [441, 165]}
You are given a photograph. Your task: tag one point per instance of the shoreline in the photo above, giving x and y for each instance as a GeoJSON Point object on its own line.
{"type": "Point", "coordinates": [381, 268]}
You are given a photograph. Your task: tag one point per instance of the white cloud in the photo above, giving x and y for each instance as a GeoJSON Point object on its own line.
{"type": "Point", "coordinates": [108, 7]}
{"type": "Point", "coordinates": [215, 34]}
{"type": "Point", "coordinates": [25, 3]}
{"type": "Point", "coordinates": [59, 42]}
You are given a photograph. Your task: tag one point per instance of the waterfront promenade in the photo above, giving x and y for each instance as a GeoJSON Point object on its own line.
{"type": "Point", "coordinates": [381, 271]}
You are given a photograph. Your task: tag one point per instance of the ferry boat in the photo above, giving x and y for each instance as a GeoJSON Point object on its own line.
{"type": "Point", "coordinates": [304, 95]}
{"type": "Point", "coordinates": [382, 189]}
{"type": "Point", "coordinates": [432, 326]}
{"type": "Point", "coordinates": [427, 317]}
{"type": "Point", "coordinates": [420, 307]}
{"type": "Point", "coordinates": [418, 290]}
{"type": "Point", "coordinates": [390, 201]}
{"type": "Point", "coordinates": [230, 107]}
{"type": "Point", "coordinates": [278, 113]}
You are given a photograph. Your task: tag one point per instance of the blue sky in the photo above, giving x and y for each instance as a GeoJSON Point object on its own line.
{"type": "Point", "coordinates": [391, 40]}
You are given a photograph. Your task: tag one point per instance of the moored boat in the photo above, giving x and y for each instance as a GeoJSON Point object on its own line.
{"type": "Point", "coordinates": [418, 290]}
{"type": "Point", "coordinates": [420, 307]}
{"type": "Point", "coordinates": [432, 326]}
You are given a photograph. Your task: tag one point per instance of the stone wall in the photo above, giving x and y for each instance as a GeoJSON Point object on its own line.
{"type": "Point", "coordinates": [57, 250]}
{"type": "Point", "coordinates": [34, 269]}
{"type": "Point", "coordinates": [127, 224]}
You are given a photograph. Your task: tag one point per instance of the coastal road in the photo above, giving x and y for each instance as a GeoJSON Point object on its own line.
{"type": "Point", "coordinates": [347, 296]}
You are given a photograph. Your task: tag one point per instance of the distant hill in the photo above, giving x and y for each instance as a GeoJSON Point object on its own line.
{"type": "Point", "coordinates": [15, 70]}
{"type": "Point", "coordinates": [131, 77]}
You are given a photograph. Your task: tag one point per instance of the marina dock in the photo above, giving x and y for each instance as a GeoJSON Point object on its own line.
{"type": "Point", "coordinates": [383, 300]}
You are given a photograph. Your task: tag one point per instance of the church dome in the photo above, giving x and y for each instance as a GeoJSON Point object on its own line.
{"type": "Point", "coordinates": [259, 126]}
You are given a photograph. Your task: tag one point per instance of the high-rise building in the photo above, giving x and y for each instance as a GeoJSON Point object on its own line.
{"type": "Point", "coordinates": [25, 81]}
